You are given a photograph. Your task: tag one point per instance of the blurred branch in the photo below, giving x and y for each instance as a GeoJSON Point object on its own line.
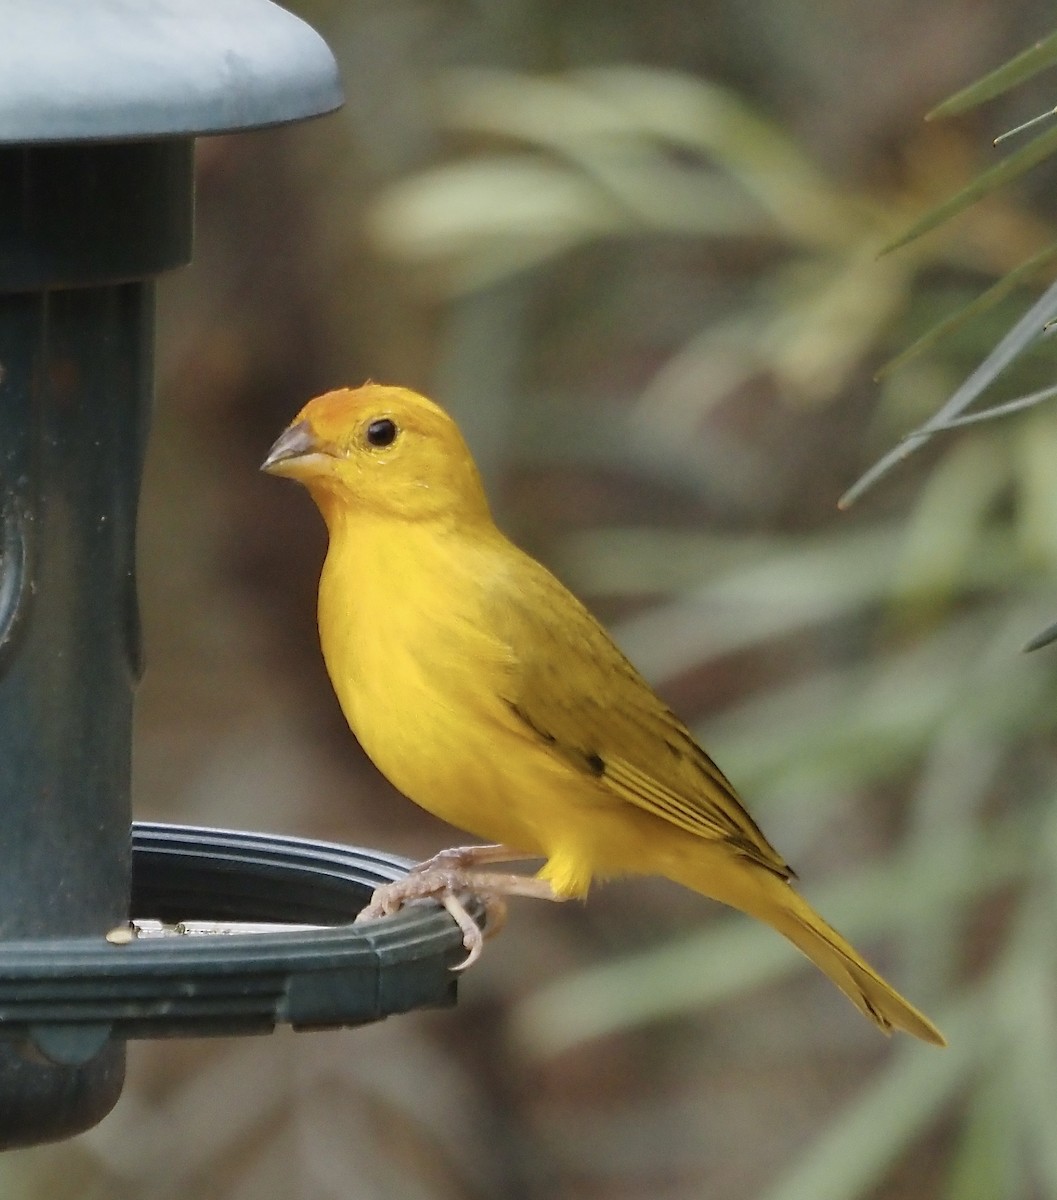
{"type": "Point", "coordinates": [1017, 70]}
{"type": "Point", "coordinates": [1044, 638]}
{"type": "Point", "coordinates": [975, 308]}
{"type": "Point", "coordinates": [1016, 165]}
{"type": "Point", "coordinates": [1028, 330]}
{"type": "Point", "coordinates": [999, 410]}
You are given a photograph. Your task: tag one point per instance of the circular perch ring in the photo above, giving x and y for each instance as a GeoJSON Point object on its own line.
{"type": "Point", "coordinates": [67, 997]}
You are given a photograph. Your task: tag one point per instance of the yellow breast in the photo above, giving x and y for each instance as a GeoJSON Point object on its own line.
{"type": "Point", "coordinates": [419, 676]}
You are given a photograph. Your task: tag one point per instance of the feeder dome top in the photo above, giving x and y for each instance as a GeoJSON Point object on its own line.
{"type": "Point", "coordinates": [106, 70]}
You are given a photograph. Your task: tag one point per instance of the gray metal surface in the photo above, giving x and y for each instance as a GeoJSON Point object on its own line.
{"type": "Point", "coordinates": [118, 69]}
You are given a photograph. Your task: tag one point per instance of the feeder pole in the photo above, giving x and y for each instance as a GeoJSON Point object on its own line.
{"type": "Point", "coordinates": [100, 102]}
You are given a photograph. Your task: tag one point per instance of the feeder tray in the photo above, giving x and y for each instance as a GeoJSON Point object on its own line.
{"type": "Point", "coordinates": [67, 997]}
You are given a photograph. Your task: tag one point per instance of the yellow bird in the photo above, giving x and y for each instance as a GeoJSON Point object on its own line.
{"type": "Point", "coordinates": [490, 696]}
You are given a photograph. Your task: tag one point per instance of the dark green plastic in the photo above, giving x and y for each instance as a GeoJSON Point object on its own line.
{"type": "Point", "coordinates": [75, 215]}
{"type": "Point", "coordinates": [99, 102]}
{"type": "Point", "coordinates": [74, 399]}
{"type": "Point", "coordinates": [67, 997]}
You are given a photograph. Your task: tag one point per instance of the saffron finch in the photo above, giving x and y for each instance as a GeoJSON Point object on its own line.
{"type": "Point", "coordinates": [490, 696]}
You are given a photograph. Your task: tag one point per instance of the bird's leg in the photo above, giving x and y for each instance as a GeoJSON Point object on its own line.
{"type": "Point", "coordinates": [446, 884]}
{"type": "Point", "coordinates": [462, 857]}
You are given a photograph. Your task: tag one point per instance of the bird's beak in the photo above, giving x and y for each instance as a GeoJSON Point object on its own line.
{"type": "Point", "coordinates": [296, 453]}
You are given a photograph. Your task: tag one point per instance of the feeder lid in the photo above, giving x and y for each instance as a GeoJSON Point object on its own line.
{"type": "Point", "coordinates": [103, 70]}
{"type": "Point", "coordinates": [67, 997]}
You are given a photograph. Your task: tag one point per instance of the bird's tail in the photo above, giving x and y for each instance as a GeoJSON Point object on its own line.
{"type": "Point", "coordinates": [771, 899]}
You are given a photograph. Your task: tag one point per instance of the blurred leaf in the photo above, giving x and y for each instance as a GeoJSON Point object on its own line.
{"type": "Point", "coordinates": [849, 729]}
{"type": "Point", "coordinates": [703, 116]}
{"type": "Point", "coordinates": [665, 196]}
{"type": "Point", "coordinates": [599, 116]}
{"type": "Point", "coordinates": [823, 331]}
{"type": "Point", "coordinates": [651, 559]}
{"type": "Point", "coordinates": [480, 220]}
{"type": "Point", "coordinates": [1035, 448]}
{"type": "Point", "coordinates": [987, 1157]}
{"type": "Point", "coordinates": [945, 528]}
{"type": "Point", "coordinates": [1026, 64]}
{"type": "Point", "coordinates": [1011, 168]}
{"type": "Point", "coordinates": [827, 579]}
{"type": "Point", "coordinates": [807, 582]}
{"type": "Point", "coordinates": [975, 308]}
{"type": "Point", "coordinates": [545, 110]}
{"type": "Point", "coordinates": [960, 772]}
{"type": "Point", "coordinates": [890, 1114]}
{"type": "Point", "coordinates": [1034, 1054]}
{"type": "Point", "coordinates": [608, 124]}
{"type": "Point", "coordinates": [1027, 976]}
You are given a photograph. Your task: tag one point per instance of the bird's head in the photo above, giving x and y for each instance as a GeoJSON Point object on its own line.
{"type": "Point", "coordinates": [387, 449]}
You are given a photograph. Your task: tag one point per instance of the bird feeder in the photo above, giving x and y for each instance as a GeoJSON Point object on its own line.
{"type": "Point", "coordinates": [100, 102]}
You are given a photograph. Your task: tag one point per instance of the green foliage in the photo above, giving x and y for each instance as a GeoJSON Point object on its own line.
{"type": "Point", "coordinates": [977, 307]}
{"type": "Point", "coordinates": [1010, 169]}
{"type": "Point", "coordinates": [1031, 328]}
{"type": "Point", "coordinates": [1018, 70]}
{"type": "Point", "coordinates": [928, 696]}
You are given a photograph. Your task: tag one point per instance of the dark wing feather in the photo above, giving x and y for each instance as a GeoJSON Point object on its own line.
{"type": "Point", "coordinates": [570, 685]}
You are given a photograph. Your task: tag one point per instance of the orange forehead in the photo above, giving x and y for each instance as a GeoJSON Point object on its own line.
{"type": "Point", "coordinates": [332, 412]}
{"type": "Point", "coordinates": [336, 413]}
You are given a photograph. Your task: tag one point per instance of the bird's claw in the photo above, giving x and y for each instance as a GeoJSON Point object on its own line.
{"type": "Point", "coordinates": [472, 937]}
{"type": "Point", "coordinates": [428, 882]}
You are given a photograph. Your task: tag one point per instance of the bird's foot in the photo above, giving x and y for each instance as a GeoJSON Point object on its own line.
{"type": "Point", "coordinates": [447, 885]}
{"type": "Point", "coordinates": [459, 858]}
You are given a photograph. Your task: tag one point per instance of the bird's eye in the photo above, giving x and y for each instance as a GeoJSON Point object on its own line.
{"type": "Point", "coordinates": [382, 432]}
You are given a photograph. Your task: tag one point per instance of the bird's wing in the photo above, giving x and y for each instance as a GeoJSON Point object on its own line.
{"type": "Point", "coordinates": [573, 689]}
